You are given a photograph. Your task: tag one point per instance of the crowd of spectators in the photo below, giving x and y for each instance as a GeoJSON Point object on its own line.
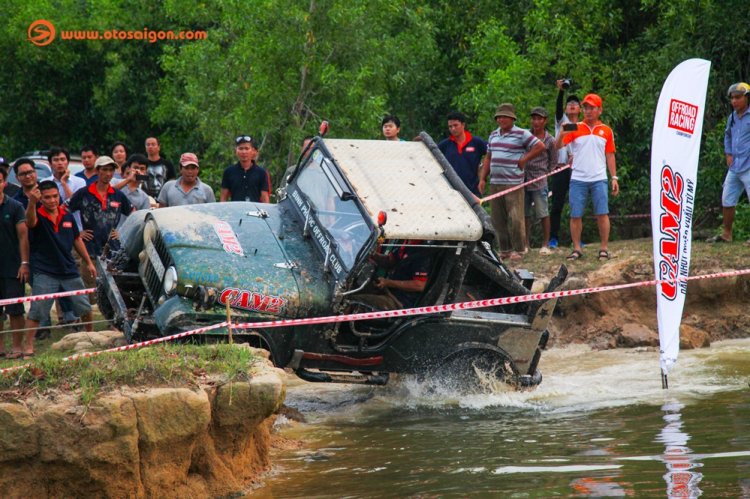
{"type": "Point", "coordinates": [53, 227]}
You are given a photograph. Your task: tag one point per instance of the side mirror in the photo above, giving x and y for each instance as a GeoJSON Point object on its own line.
{"type": "Point", "coordinates": [323, 128]}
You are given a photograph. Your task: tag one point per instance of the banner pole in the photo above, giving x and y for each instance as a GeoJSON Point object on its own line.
{"type": "Point", "coordinates": [664, 381]}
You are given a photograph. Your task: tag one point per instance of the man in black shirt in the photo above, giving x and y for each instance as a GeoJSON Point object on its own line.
{"type": "Point", "coordinates": [14, 264]}
{"type": "Point", "coordinates": [245, 180]}
{"type": "Point", "coordinates": [159, 170]}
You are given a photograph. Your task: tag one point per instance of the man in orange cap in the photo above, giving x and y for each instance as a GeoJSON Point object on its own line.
{"type": "Point", "coordinates": [593, 149]}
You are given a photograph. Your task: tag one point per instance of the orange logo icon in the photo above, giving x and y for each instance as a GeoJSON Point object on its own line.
{"type": "Point", "coordinates": [41, 32]}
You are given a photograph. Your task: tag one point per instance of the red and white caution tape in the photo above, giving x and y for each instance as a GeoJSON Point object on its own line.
{"type": "Point", "coordinates": [11, 301]}
{"type": "Point", "coordinates": [640, 215]}
{"type": "Point", "coordinates": [471, 304]}
{"type": "Point", "coordinates": [516, 187]}
{"type": "Point", "coordinates": [405, 312]}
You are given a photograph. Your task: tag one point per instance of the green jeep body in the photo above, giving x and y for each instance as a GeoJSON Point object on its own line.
{"type": "Point", "coordinates": [309, 254]}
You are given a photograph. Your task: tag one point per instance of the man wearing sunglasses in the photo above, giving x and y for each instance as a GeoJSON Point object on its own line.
{"type": "Point", "coordinates": [245, 180]}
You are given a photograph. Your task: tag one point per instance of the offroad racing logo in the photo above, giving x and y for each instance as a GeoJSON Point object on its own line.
{"type": "Point", "coordinates": [228, 238]}
{"type": "Point", "coordinates": [248, 300]}
{"type": "Point", "coordinates": [41, 32]}
{"type": "Point", "coordinates": [670, 223]}
{"type": "Point", "coordinates": [682, 117]}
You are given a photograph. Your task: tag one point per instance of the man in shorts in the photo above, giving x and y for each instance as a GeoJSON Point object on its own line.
{"type": "Point", "coordinates": [53, 233]}
{"type": "Point", "coordinates": [537, 192]}
{"type": "Point", "coordinates": [593, 149]}
{"type": "Point", "coordinates": [14, 265]}
{"type": "Point", "coordinates": [737, 152]}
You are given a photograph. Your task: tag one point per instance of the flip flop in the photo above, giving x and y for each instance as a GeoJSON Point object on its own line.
{"type": "Point", "coordinates": [746, 243]}
{"type": "Point", "coordinates": [575, 255]}
{"type": "Point", "coordinates": [14, 355]}
{"type": "Point", "coordinates": [717, 239]}
{"type": "Point", "coordinates": [28, 356]}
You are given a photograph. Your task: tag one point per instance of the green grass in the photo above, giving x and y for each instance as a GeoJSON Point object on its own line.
{"type": "Point", "coordinates": [164, 365]}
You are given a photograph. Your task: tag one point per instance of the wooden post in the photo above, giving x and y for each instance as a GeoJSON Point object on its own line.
{"type": "Point", "coordinates": [229, 320]}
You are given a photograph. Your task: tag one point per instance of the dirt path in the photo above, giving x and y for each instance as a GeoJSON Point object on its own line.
{"type": "Point", "coordinates": [715, 309]}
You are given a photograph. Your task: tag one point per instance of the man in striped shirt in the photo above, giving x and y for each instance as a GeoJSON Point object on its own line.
{"type": "Point", "coordinates": [509, 148]}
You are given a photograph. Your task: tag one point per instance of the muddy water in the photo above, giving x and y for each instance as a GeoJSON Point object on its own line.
{"type": "Point", "coordinates": [599, 426]}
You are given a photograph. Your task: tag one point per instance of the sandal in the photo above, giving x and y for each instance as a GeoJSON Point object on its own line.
{"type": "Point", "coordinates": [575, 255]}
{"type": "Point", "coordinates": [746, 243]}
{"type": "Point", "coordinates": [515, 256]}
{"type": "Point", "coordinates": [717, 239]}
{"type": "Point", "coordinates": [27, 356]}
{"type": "Point", "coordinates": [603, 254]}
{"type": "Point", "coordinates": [14, 355]}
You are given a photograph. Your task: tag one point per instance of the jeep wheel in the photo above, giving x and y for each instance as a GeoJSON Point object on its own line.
{"type": "Point", "coordinates": [475, 370]}
{"type": "Point", "coordinates": [105, 307]}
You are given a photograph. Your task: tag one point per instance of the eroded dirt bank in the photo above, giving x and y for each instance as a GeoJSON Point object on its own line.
{"type": "Point", "coordinates": [141, 443]}
{"type": "Point", "coordinates": [715, 309]}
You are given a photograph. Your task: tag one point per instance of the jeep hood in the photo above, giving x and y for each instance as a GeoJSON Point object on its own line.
{"type": "Point", "coordinates": [261, 263]}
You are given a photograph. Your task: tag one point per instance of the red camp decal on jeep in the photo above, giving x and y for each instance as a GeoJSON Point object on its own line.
{"type": "Point", "coordinates": [247, 300]}
{"type": "Point", "coordinates": [669, 226]}
{"type": "Point", "coordinates": [228, 238]}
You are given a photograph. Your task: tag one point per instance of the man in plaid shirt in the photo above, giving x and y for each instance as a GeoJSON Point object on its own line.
{"type": "Point", "coordinates": [537, 193]}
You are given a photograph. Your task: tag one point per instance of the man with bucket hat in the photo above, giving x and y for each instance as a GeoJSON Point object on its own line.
{"type": "Point", "coordinates": [737, 152]}
{"type": "Point", "coordinates": [593, 147]}
{"type": "Point", "coordinates": [509, 149]}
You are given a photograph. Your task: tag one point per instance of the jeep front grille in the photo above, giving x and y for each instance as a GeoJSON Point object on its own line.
{"type": "Point", "coordinates": [150, 277]}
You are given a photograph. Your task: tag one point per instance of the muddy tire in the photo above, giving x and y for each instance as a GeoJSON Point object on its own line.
{"type": "Point", "coordinates": [475, 371]}
{"type": "Point", "coordinates": [104, 306]}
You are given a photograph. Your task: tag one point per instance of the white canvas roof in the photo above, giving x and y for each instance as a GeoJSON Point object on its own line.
{"type": "Point", "coordinates": [405, 180]}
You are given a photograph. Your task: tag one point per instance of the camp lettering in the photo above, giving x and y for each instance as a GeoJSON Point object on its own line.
{"type": "Point", "coordinates": [228, 238]}
{"type": "Point", "coordinates": [669, 226]}
{"type": "Point", "coordinates": [248, 300]}
{"type": "Point", "coordinates": [682, 116]}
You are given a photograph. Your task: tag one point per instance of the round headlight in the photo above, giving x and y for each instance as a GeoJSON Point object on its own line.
{"type": "Point", "coordinates": [170, 281]}
{"type": "Point", "coordinates": [149, 230]}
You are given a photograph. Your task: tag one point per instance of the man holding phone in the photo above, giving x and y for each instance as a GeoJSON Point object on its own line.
{"type": "Point", "coordinates": [135, 171]}
{"type": "Point", "coordinates": [560, 182]}
{"type": "Point", "coordinates": [593, 147]}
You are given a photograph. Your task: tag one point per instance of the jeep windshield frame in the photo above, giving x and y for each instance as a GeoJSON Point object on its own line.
{"type": "Point", "coordinates": [331, 213]}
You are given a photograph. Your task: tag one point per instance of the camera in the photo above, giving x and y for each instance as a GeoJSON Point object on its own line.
{"type": "Point", "coordinates": [566, 83]}
{"type": "Point", "coordinates": [141, 178]}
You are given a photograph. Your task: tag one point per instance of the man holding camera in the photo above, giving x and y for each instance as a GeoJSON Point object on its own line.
{"type": "Point", "coordinates": [560, 182]}
{"type": "Point", "coordinates": [593, 147]}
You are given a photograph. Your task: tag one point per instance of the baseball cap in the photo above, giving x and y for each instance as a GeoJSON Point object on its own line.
{"type": "Point", "coordinates": [592, 100]}
{"type": "Point", "coordinates": [506, 110]}
{"type": "Point", "coordinates": [104, 161]}
{"type": "Point", "coordinates": [539, 111]}
{"type": "Point", "coordinates": [4, 162]}
{"type": "Point", "coordinates": [189, 159]}
{"type": "Point", "coordinates": [572, 98]}
{"type": "Point", "coordinates": [246, 138]}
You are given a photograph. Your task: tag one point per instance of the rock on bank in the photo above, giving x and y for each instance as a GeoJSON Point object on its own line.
{"type": "Point", "coordinates": [150, 443]}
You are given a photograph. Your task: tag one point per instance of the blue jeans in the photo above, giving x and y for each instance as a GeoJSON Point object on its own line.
{"type": "Point", "coordinates": [734, 184]}
{"type": "Point", "coordinates": [579, 195]}
{"type": "Point", "coordinates": [44, 284]}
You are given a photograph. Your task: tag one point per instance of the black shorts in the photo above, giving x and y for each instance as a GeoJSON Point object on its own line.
{"type": "Point", "coordinates": [10, 287]}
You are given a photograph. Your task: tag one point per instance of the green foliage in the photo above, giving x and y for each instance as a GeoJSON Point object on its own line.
{"type": "Point", "coordinates": [276, 69]}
